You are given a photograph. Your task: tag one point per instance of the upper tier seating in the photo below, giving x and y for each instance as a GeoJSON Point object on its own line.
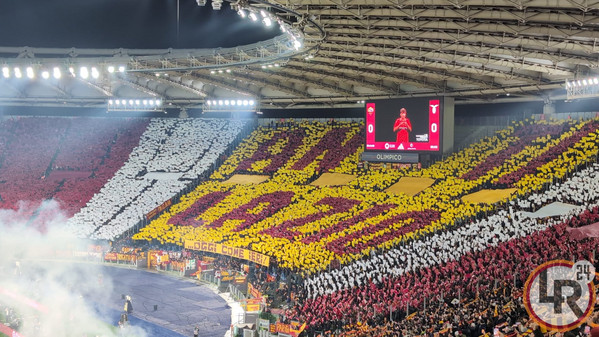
{"type": "Point", "coordinates": [171, 154]}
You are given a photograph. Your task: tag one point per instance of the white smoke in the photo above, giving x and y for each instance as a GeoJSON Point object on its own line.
{"type": "Point", "coordinates": [44, 279]}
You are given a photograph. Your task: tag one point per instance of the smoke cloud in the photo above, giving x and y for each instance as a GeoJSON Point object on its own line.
{"type": "Point", "coordinates": [48, 281]}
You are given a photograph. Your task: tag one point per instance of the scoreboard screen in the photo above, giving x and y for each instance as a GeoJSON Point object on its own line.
{"type": "Point", "coordinates": [410, 125]}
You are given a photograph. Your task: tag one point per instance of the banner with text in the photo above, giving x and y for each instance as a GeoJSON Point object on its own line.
{"type": "Point", "coordinates": [390, 157]}
{"type": "Point", "coordinates": [159, 209]}
{"type": "Point", "coordinates": [239, 253]}
{"type": "Point", "coordinates": [253, 291]}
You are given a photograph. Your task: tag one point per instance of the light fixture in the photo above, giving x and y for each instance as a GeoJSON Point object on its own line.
{"type": "Point", "coordinates": [121, 69]}
{"type": "Point", "coordinates": [95, 73]}
{"type": "Point", "coordinates": [201, 2]}
{"type": "Point", "coordinates": [134, 104]}
{"type": "Point", "coordinates": [230, 104]}
{"type": "Point", "coordinates": [5, 72]}
{"type": "Point", "coordinates": [17, 72]}
{"type": "Point", "coordinates": [45, 75]}
{"type": "Point", "coordinates": [83, 72]}
{"type": "Point", "coordinates": [110, 69]}
{"type": "Point", "coordinates": [56, 73]}
{"type": "Point", "coordinates": [253, 16]}
{"type": "Point", "coordinates": [30, 73]}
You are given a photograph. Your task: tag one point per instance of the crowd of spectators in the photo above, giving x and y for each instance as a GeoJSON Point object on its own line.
{"type": "Point", "coordinates": [184, 148]}
{"type": "Point", "coordinates": [390, 247]}
{"type": "Point", "coordinates": [34, 150]}
{"type": "Point", "coordinates": [306, 228]}
{"type": "Point", "coordinates": [465, 250]}
{"type": "Point", "coordinates": [479, 257]}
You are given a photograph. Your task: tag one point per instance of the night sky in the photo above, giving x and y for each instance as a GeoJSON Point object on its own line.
{"type": "Point", "coordinates": [125, 24]}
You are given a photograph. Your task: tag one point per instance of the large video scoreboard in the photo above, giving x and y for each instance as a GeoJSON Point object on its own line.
{"type": "Point", "coordinates": [404, 125]}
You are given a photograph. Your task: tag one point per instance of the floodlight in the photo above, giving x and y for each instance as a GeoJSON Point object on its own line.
{"type": "Point", "coordinates": [83, 72]}
{"type": "Point", "coordinates": [30, 73]}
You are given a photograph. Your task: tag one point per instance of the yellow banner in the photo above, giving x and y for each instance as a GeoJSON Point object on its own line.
{"type": "Point", "coordinates": [252, 291]}
{"type": "Point", "coordinates": [239, 253]}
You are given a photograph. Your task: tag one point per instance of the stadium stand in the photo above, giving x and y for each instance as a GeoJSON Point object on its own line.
{"type": "Point", "coordinates": [170, 156]}
{"type": "Point", "coordinates": [68, 159]}
{"type": "Point", "coordinates": [354, 259]}
{"type": "Point", "coordinates": [391, 247]}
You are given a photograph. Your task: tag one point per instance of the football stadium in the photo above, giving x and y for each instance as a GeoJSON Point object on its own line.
{"type": "Point", "coordinates": [305, 168]}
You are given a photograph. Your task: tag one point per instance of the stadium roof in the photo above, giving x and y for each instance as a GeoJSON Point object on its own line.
{"type": "Point", "coordinates": [352, 50]}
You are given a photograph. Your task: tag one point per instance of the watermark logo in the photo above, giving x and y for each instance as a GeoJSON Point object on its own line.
{"type": "Point", "coordinates": [559, 295]}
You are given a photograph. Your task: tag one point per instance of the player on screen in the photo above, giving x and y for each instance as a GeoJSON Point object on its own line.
{"type": "Point", "coordinates": [402, 126]}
